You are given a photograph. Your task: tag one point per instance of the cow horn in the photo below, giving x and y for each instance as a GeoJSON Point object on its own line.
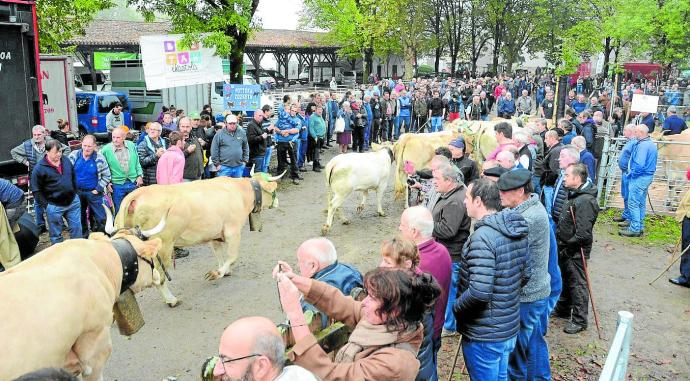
{"type": "Point", "coordinates": [109, 226]}
{"type": "Point", "coordinates": [155, 230]}
{"type": "Point", "coordinates": [276, 178]}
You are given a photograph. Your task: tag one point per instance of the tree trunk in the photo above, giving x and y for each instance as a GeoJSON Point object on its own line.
{"type": "Point", "coordinates": [368, 63]}
{"type": "Point", "coordinates": [497, 48]}
{"type": "Point", "coordinates": [607, 53]}
{"type": "Point", "coordinates": [437, 59]}
{"type": "Point", "coordinates": [236, 58]}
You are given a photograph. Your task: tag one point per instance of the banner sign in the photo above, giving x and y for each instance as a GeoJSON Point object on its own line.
{"type": "Point", "coordinates": [168, 64]}
{"type": "Point", "coordinates": [645, 103]}
{"type": "Point", "coordinates": [102, 59]}
{"type": "Point", "coordinates": [238, 97]}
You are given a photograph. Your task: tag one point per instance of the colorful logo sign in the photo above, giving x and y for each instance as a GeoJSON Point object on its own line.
{"type": "Point", "coordinates": [175, 56]}
{"type": "Point", "coordinates": [241, 97]}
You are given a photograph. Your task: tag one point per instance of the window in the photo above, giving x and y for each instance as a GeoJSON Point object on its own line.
{"type": "Point", "coordinates": [83, 104]}
{"type": "Point", "coordinates": [106, 103]}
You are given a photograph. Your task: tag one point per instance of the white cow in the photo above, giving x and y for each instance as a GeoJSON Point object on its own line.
{"type": "Point", "coordinates": [357, 172]}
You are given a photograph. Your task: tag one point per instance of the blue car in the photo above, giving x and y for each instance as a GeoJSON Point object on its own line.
{"type": "Point", "coordinates": [93, 106]}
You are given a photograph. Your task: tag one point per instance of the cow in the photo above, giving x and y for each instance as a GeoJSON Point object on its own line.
{"type": "Point", "coordinates": [203, 211]}
{"type": "Point", "coordinates": [673, 160]}
{"type": "Point", "coordinates": [56, 307]}
{"type": "Point", "coordinates": [356, 172]}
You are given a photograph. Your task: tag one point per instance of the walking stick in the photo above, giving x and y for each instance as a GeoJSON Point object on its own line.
{"type": "Point", "coordinates": [670, 265]}
{"type": "Point", "coordinates": [455, 360]}
{"type": "Point", "coordinates": [589, 284]}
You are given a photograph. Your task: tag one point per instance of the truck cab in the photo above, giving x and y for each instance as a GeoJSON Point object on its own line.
{"type": "Point", "coordinates": [93, 106]}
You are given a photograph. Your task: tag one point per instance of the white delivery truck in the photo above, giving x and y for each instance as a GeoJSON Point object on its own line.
{"type": "Point", "coordinates": [58, 98]}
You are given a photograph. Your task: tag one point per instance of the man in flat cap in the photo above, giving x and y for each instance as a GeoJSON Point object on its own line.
{"type": "Point", "coordinates": [494, 173]}
{"type": "Point", "coordinates": [517, 193]}
{"type": "Point", "coordinates": [466, 165]}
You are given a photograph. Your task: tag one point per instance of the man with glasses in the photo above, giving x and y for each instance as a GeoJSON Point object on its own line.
{"type": "Point", "coordinates": [252, 349]}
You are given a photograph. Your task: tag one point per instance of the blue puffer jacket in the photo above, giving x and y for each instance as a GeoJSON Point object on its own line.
{"type": "Point", "coordinates": [493, 268]}
{"type": "Point", "coordinates": [339, 275]}
{"type": "Point", "coordinates": [425, 355]}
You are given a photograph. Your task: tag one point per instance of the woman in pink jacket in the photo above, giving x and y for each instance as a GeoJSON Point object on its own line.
{"type": "Point", "coordinates": [171, 164]}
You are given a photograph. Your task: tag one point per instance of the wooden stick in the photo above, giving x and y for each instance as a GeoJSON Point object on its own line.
{"type": "Point", "coordinates": [670, 265]}
{"type": "Point", "coordinates": [455, 360]}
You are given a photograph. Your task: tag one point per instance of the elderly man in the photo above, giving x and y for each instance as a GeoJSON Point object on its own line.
{"type": "Point", "coordinates": [568, 155]}
{"type": "Point", "coordinates": [673, 124]}
{"type": "Point", "coordinates": [586, 157]}
{"type": "Point", "coordinates": [549, 167]}
{"type": "Point", "coordinates": [29, 153]}
{"type": "Point", "coordinates": [150, 149]}
{"type": "Point", "coordinates": [53, 183]}
{"type": "Point", "coordinates": [515, 188]}
{"type": "Point", "coordinates": [125, 168]}
{"type": "Point", "coordinates": [451, 225]}
{"type": "Point", "coordinates": [251, 348]}
{"type": "Point", "coordinates": [92, 178]}
{"type": "Point", "coordinates": [493, 267]}
{"type": "Point", "coordinates": [318, 259]}
{"type": "Point", "coordinates": [467, 166]}
{"type": "Point", "coordinates": [526, 152]}
{"type": "Point", "coordinates": [193, 152]}
{"type": "Point", "coordinates": [641, 168]}
{"type": "Point", "coordinates": [417, 224]}
{"type": "Point", "coordinates": [574, 230]}
{"type": "Point", "coordinates": [506, 159]}
{"type": "Point", "coordinates": [623, 161]}
{"type": "Point", "coordinates": [524, 103]}
{"type": "Point", "coordinates": [230, 150]}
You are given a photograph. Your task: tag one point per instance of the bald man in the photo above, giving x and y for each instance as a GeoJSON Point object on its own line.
{"type": "Point", "coordinates": [506, 159]}
{"type": "Point", "coordinates": [318, 259]}
{"type": "Point", "coordinates": [125, 168]}
{"type": "Point", "coordinates": [252, 349]}
{"type": "Point", "coordinates": [417, 224]}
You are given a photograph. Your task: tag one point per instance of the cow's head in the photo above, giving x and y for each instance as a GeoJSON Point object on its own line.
{"type": "Point", "coordinates": [269, 187]}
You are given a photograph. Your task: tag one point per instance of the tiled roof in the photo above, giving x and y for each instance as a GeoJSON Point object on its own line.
{"type": "Point", "coordinates": [122, 33]}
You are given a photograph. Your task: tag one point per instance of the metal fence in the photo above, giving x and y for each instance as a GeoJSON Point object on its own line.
{"type": "Point", "coordinates": [617, 359]}
{"type": "Point", "coordinates": [669, 182]}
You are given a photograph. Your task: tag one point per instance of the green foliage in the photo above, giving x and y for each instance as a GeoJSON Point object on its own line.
{"type": "Point", "coordinates": [61, 20]}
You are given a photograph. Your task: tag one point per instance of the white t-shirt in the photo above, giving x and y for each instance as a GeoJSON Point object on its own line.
{"type": "Point", "coordinates": [296, 373]}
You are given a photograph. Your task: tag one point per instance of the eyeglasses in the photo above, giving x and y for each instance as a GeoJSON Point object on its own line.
{"type": "Point", "coordinates": [226, 360]}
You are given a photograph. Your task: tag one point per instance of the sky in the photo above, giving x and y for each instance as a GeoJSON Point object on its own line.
{"type": "Point", "coordinates": [279, 14]}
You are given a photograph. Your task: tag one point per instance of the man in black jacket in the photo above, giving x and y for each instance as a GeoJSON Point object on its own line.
{"type": "Point", "coordinates": [549, 166]}
{"type": "Point", "coordinates": [467, 166]}
{"type": "Point", "coordinates": [574, 233]}
{"type": "Point", "coordinates": [257, 138]}
{"type": "Point", "coordinates": [54, 185]}
{"type": "Point", "coordinates": [451, 225]}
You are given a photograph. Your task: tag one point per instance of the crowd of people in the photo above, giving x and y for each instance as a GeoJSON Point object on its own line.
{"type": "Point", "coordinates": [490, 251]}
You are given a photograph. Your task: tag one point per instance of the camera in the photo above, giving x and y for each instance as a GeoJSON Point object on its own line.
{"type": "Point", "coordinates": [412, 180]}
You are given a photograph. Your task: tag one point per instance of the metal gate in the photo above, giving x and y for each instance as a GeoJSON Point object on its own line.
{"type": "Point", "coordinates": [669, 184]}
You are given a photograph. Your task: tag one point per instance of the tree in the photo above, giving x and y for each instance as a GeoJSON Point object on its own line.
{"type": "Point", "coordinates": [519, 24]}
{"type": "Point", "coordinates": [56, 20]}
{"type": "Point", "coordinates": [453, 12]}
{"type": "Point", "coordinates": [223, 24]}
{"type": "Point", "coordinates": [477, 31]}
{"type": "Point", "coordinates": [671, 37]}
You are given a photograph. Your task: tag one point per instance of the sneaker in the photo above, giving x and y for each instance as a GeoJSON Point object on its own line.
{"type": "Point", "coordinates": [624, 224]}
{"type": "Point", "coordinates": [181, 253]}
{"type": "Point", "coordinates": [618, 219]}
{"type": "Point", "coordinates": [572, 328]}
{"type": "Point", "coordinates": [629, 233]}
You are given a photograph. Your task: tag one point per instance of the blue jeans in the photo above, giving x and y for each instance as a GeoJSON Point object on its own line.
{"type": "Point", "coordinates": [367, 136]}
{"type": "Point", "coordinates": [536, 185]}
{"type": "Point", "coordinates": [530, 321]}
{"type": "Point", "coordinates": [120, 191]}
{"type": "Point", "coordinates": [548, 198]}
{"type": "Point", "coordinates": [487, 360]}
{"type": "Point", "coordinates": [436, 123]}
{"type": "Point", "coordinates": [625, 180]}
{"type": "Point", "coordinates": [301, 151]}
{"type": "Point", "coordinates": [538, 366]}
{"type": "Point", "coordinates": [267, 157]}
{"type": "Point", "coordinates": [236, 171]}
{"type": "Point", "coordinates": [484, 118]}
{"type": "Point", "coordinates": [449, 319]}
{"type": "Point", "coordinates": [39, 217]}
{"type": "Point", "coordinates": [94, 204]}
{"type": "Point", "coordinates": [258, 163]}
{"type": "Point", "coordinates": [637, 201]}
{"type": "Point", "coordinates": [399, 121]}
{"type": "Point", "coordinates": [72, 213]}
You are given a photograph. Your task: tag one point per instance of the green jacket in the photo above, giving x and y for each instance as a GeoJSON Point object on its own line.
{"type": "Point", "coordinates": [317, 126]}
{"type": "Point", "coordinates": [118, 176]}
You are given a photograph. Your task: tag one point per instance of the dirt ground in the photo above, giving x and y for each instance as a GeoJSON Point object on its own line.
{"type": "Point", "coordinates": [174, 342]}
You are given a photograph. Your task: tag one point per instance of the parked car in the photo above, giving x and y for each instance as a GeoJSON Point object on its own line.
{"type": "Point", "coordinates": [93, 106]}
{"type": "Point", "coordinates": [280, 80]}
{"type": "Point", "coordinates": [263, 77]}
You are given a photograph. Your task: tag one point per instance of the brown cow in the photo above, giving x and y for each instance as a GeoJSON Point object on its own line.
{"type": "Point", "coordinates": [56, 307]}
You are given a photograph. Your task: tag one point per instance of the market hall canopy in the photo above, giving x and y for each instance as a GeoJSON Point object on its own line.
{"type": "Point", "coordinates": [123, 36]}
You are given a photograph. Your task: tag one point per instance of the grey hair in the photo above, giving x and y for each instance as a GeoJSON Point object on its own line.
{"type": "Point", "coordinates": [271, 346]}
{"type": "Point", "coordinates": [346, 103]}
{"type": "Point", "coordinates": [420, 218]}
{"type": "Point", "coordinates": [579, 142]}
{"type": "Point", "coordinates": [642, 128]}
{"type": "Point", "coordinates": [521, 137]}
{"type": "Point", "coordinates": [323, 250]}
{"type": "Point", "coordinates": [551, 133]}
{"type": "Point", "coordinates": [571, 151]}
{"type": "Point", "coordinates": [38, 128]}
{"type": "Point", "coordinates": [629, 127]}
{"type": "Point", "coordinates": [451, 172]}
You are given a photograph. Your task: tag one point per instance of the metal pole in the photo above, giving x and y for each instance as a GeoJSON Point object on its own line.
{"type": "Point", "coordinates": [603, 163]}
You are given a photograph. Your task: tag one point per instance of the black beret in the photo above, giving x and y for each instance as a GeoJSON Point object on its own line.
{"type": "Point", "coordinates": [495, 171]}
{"type": "Point", "coordinates": [514, 179]}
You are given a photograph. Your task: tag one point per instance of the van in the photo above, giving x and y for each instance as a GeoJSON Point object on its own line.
{"type": "Point", "coordinates": [322, 74]}
{"type": "Point", "coordinates": [93, 106]}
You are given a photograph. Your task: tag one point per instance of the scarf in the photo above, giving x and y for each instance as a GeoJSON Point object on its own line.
{"type": "Point", "coordinates": [367, 335]}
